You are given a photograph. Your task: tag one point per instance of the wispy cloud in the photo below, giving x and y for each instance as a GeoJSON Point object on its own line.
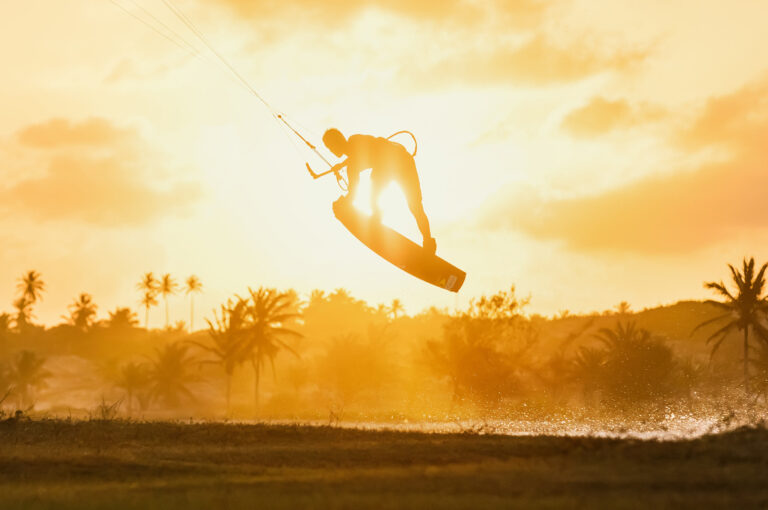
{"type": "Point", "coordinates": [62, 132]}
{"type": "Point", "coordinates": [537, 62]}
{"type": "Point", "coordinates": [96, 173]}
{"type": "Point", "coordinates": [679, 212]}
{"type": "Point", "coordinates": [519, 12]}
{"type": "Point", "coordinates": [600, 116]}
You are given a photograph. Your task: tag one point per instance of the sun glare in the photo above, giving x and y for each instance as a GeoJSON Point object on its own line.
{"type": "Point", "coordinates": [394, 208]}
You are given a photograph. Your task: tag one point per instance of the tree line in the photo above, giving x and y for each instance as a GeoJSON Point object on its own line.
{"type": "Point", "coordinates": [492, 357]}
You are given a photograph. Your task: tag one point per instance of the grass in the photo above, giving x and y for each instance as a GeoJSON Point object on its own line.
{"type": "Point", "coordinates": [154, 465]}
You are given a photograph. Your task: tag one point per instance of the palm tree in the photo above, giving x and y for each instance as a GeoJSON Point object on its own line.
{"type": "Point", "coordinates": [5, 328]}
{"type": "Point", "coordinates": [23, 313]}
{"type": "Point", "coordinates": [133, 378]}
{"type": "Point", "coordinates": [148, 285]}
{"type": "Point", "coordinates": [31, 287]}
{"type": "Point", "coordinates": [82, 312]}
{"type": "Point", "coordinates": [395, 308]}
{"type": "Point", "coordinates": [623, 333]}
{"type": "Point", "coordinates": [623, 308]}
{"type": "Point", "coordinates": [585, 367]}
{"type": "Point", "coordinates": [226, 331]}
{"type": "Point", "coordinates": [267, 313]}
{"type": "Point", "coordinates": [148, 301]}
{"type": "Point", "coordinates": [193, 285]}
{"type": "Point", "coordinates": [28, 373]}
{"type": "Point", "coordinates": [168, 286]}
{"type": "Point", "coordinates": [746, 309]}
{"type": "Point", "coordinates": [169, 374]}
{"type": "Point", "coordinates": [122, 318]}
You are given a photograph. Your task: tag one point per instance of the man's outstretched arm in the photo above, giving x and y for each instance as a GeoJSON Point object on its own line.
{"type": "Point", "coordinates": [338, 166]}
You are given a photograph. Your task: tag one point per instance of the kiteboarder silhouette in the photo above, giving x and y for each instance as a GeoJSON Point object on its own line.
{"type": "Point", "coordinates": [388, 161]}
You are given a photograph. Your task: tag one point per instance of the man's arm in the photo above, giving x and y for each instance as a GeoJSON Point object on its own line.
{"type": "Point", "coordinates": [338, 166]}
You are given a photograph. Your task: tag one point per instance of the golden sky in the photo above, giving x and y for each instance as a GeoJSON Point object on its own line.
{"type": "Point", "coordinates": [587, 152]}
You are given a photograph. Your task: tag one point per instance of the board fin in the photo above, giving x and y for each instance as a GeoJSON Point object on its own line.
{"type": "Point", "coordinates": [398, 249]}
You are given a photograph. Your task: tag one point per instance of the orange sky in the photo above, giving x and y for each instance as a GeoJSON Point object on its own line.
{"type": "Point", "coordinates": [586, 152]}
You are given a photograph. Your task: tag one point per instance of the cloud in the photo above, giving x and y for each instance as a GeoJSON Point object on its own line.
{"type": "Point", "coordinates": [60, 132]}
{"type": "Point", "coordinates": [103, 192]}
{"type": "Point", "coordinates": [601, 116]}
{"type": "Point", "coordinates": [459, 41]}
{"type": "Point", "coordinates": [736, 120]}
{"type": "Point", "coordinates": [96, 173]}
{"type": "Point", "coordinates": [681, 212]}
{"type": "Point", "coordinates": [537, 62]}
{"type": "Point", "coordinates": [517, 12]}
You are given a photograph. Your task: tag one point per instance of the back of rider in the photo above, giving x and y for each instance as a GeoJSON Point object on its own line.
{"type": "Point", "coordinates": [389, 160]}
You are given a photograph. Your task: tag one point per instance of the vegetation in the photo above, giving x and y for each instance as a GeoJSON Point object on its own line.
{"type": "Point", "coordinates": [744, 311]}
{"type": "Point", "coordinates": [334, 357]}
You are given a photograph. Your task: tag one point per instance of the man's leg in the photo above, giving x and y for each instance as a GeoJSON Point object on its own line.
{"type": "Point", "coordinates": [409, 183]}
{"type": "Point", "coordinates": [417, 209]}
{"type": "Point", "coordinates": [376, 188]}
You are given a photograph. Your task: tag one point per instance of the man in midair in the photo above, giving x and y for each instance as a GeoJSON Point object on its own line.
{"type": "Point", "coordinates": [389, 161]}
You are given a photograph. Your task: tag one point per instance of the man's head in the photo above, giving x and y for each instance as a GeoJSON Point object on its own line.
{"type": "Point", "coordinates": [335, 141]}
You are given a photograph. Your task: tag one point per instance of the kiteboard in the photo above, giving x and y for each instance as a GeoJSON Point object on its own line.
{"type": "Point", "coordinates": [398, 249]}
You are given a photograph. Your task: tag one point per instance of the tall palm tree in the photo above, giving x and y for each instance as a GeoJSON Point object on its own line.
{"type": "Point", "coordinates": [31, 286]}
{"type": "Point", "coordinates": [395, 308]}
{"type": "Point", "coordinates": [148, 285]}
{"type": "Point", "coordinates": [5, 327]}
{"type": "Point", "coordinates": [82, 312]}
{"type": "Point", "coordinates": [148, 301]}
{"type": "Point", "coordinates": [192, 286]}
{"type": "Point", "coordinates": [744, 309]}
{"type": "Point", "coordinates": [226, 332]}
{"type": "Point", "coordinates": [267, 314]}
{"type": "Point", "coordinates": [133, 378]}
{"type": "Point", "coordinates": [170, 373]}
{"type": "Point", "coordinates": [167, 287]}
{"type": "Point", "coordinates": [27, 374]}
{"type": "Point", "coordinates": [23, 314]}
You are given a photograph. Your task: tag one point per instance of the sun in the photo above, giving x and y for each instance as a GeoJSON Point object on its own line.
{"type": "Point", "coordinates": [394, 208]}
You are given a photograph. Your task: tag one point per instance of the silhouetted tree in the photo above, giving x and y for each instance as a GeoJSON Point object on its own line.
{"type": "Point", "coordinates": [133, 378]}
{"type": "Point", "coordinates": [148, 301]}
{"type": "Point", "coordinates": [6, 385]}
{"type": "Point", "coordinates": [31, 287]}
{"type": "Point", "coordinates": [6, 330]}
{"type": "Point", "coordinates": [744, 310]}
{"type": "Point", "coordinates": [82, 312]}
{"type": "Point", "coordinates": [396, 308]}
{"type": "Point", "coordinates": [623, 308]}
{"type": "Point", "coordinates": [23, 314]}
{"type": "Point", "coordinates": [167, 287]}
{"type": "Point", "coordinates": [586, 367]}
{"type": "Point", "coordinates": [149, 288]}
{"type": "Point", "coordinates": [485, 350]}
{"type": "Point", "coordinates": [228, 336]}
{"type": "Point", "coordinates": [122, 318]}
{"type": "Point", "coordinates": [170, 374]}
{"type": "Point", "coordinates": [192, 286]}
{"type": "Point", "coordinates": [28, 374]}
{"type": "Point", "coordinates": [635, 367]}
{"type": "Point", "coordinates": [267, 314]}
{"type": "Point", "coordinates": [354, 368]}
